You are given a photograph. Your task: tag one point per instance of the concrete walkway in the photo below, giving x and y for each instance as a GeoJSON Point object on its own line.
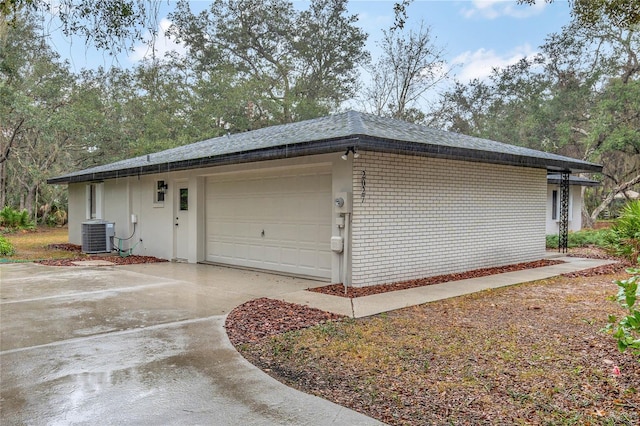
{"type": "Point", "coordinates": [145, 344]}
{"type": "Point", "coordinates": [378, 303]}
{"type": "Point", "coordinates": [140, 345]}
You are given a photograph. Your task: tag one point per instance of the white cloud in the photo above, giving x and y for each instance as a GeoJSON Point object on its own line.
{"type": "Point", "coordinates": [492, 9]}
{"type": "Point", "coordinates": [480, 64]}
{"type": "Point", "coordinates": [162, 45]}
{"type": "Point", "coordinates": [373, 23]}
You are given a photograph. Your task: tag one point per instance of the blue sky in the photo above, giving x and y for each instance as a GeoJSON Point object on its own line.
{"type": "Point", "coordinates": [476, 34]}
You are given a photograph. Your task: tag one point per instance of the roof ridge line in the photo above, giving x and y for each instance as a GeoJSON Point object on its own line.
{"type": "Point", "coordinates": [355, 122]}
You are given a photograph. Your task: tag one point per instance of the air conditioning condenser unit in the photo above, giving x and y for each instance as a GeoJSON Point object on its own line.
{"type": "Point", "coordinates": [97, 236]}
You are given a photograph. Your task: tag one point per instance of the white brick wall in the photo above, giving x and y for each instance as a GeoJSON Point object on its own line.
{"type": "Point", "coordinates": [425, 216]}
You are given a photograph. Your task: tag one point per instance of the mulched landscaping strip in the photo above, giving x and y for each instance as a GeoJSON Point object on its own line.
{"type": "Point", "coordinates": [351, 292]}
{"type": "Point", "coordinates": [65, 246]}
{"type": "Point", "coordinates": [260, 318]}
{"type": "Point", "coordinates": [528, 355]}
{"type": "Point", "coordinates": [117, 260]}
{"type": "Point", "coordinates": [532, 354]}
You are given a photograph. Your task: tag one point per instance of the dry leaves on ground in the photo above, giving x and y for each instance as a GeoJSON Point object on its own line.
{"type": "Point", "coordinates": [260, 318]}
{"type": "Point", "coordinates": [339, 290]}
{"type": "Point", "coordinates": [528, 354]}
{"type": "Point", "coordinates": [116, 260]}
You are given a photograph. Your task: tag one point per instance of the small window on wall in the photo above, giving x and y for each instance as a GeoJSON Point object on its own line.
{"type": "Point", "coordinates": [555, 205]}
{"type": "Point", "coordinates": [184, 199]}
{"type": "Point", "coordinates": [160, 191]}
{"type": "Point", "coordinates": [94, 201]}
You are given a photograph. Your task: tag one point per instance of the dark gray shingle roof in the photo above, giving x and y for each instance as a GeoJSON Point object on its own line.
{"type": "Point", "coordinates": [554, 179]}
{"type": "Point", "coordinates": [333, 133]}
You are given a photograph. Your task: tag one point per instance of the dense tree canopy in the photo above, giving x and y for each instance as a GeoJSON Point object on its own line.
{"type": "Point", "coordinates": [622, 13]}
{"type": "Point", "coordinates": [410, 66]}
{"type": "Point", "coordinates": [279, 63]}
{"type": "Point", "coordinates": [579, 97]}
{"type": "Point", "coordinates": [293, 65]}
{"type": "Point", "coordinates": [111, 25]}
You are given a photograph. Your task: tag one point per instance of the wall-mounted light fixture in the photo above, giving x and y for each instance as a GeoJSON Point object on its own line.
{"type": "Point", "coordinates": [163, 186]}
{"type": "Point", "coordinates": [346, 154]}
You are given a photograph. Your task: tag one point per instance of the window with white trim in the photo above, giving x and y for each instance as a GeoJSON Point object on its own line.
{"type": "Point", "coordinates": [555, 205]}
{"type": "Point", "coordinates": [94, 200]}
{"type": "Point", "coordinates": [159, 192]}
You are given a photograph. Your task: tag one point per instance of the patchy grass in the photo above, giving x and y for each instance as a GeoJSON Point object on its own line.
{"type": "Point", "coordinates": [529, 354]}
{"type": "Point", "coordinates": [33, 245]}
{"type": "Point", "coordinates": [582, 238]}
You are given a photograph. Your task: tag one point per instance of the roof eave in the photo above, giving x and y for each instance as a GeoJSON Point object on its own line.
{"type": "Point", "coordinates": [272, 153]}
{"type": "Point", "coordinates": [467, 154]}
{"type": "Point", "coordinates": [362, 142]}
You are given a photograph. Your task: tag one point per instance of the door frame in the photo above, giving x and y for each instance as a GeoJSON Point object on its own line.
{"type": "Point", "coordinates": [182, 231]}
{"type": "Point", "coordinates": [320, 169]}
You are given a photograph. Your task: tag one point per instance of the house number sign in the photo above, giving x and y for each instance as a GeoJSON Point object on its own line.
{"type": "Point", "coordinates": [364, 185]}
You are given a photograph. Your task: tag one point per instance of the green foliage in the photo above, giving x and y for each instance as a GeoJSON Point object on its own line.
{"type": "Point", "coordinates": [627, 329]}
{"type": "Point", "coordinates": [583, 238]}
{"type": "Point", "coordinates": [589, 12]}
{"type": "Point", "coordinates": [111, 25]}
{"type": "Point", "coordinates": [579, 97]}
{"type": "Point", "coordinates": [289, 65]}
{"type": "Point", "coordinates": [624, 236]}
{"type": "Point", "coordinates": [58, 217]}
{"type": "Point", "coordinates": [6, 248]}
{"type": "Point", "coordinates": [14, 219]}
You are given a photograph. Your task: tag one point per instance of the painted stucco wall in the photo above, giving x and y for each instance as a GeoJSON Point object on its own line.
{"type": "Point", "coordinates": [77, 211]}
{"type": "Point", "coordinates": [422, 217]}
{"type": "Point", "coordinates": [575, 212]}
{"type": "Point", "coordinates": [156, 225]}
{"type": "Point", "coordinates": [119, 199]}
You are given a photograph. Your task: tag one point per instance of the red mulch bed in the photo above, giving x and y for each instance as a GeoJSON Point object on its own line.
{"type": "Point", "coordinates": [65, 247]}
{"type": "Point", "coordinates": [339, 290]}
{"type": "Point", "coordinates": [117, 260]}
{"type": "Point", "coordinates": [260, 318]}
{"type": "Point", "coordinates": [593, 252]}
{"type": "Point", "coordinates": [614, 268]}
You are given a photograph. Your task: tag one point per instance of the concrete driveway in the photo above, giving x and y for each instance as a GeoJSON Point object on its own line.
{"type": "Point", "coordinates": [141, 344]}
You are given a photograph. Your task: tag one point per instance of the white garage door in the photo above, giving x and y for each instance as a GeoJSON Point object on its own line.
{"type": "Point", "coordinates": [275, 220]}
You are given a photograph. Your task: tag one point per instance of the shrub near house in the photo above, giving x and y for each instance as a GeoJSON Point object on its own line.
{"type": "Point", "coordinates": [14, 219]}
{"type": "Point", "coordinates": [6, 248]}
{"type": "Point", "coordinates": [624, 237]}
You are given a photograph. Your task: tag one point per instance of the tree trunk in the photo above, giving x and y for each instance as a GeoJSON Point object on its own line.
{"type": "Point", "coordinates": [609, 198]}
{"type": "Point", "coordinates": [3, 184]}
{"type": "Point", "coordinates": [586, 219]}
{"type": "Point", "coordinates": [29, 199]}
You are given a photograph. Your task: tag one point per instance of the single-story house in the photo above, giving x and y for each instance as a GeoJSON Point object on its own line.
{"type": "Point", "coordinates": [349, 198]}
{"type": "Point", "coordinates": [575, 202]}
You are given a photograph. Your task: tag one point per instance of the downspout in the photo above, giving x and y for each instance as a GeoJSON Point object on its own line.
{"type": "Point", "coordinates": [563, 229]}
{"type": "Point", "coordinates": [346, 251]}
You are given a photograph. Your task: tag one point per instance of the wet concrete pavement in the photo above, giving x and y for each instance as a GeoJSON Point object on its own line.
{"type": "Point", "coordinates": [141, 344]}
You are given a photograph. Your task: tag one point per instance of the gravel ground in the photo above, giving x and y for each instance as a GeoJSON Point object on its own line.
{"type": "Point", "coordinates": [387, 366]}
{"type": "Point", "coordinates": [117, 260]}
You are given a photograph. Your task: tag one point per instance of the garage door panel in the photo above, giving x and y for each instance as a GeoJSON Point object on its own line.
{"type": "Point", "coordinates": [293, 207]}
{"type": "Point", "coordinates": [324, 261]}
{"type": "Point", "coordinates": [256, 253]}
{"type": "Point", "coordinates": [287, 233]}
{"type": "Point", "coordinates": [272, 255]}
{"type": "Point", "coordinates": [308, 258]}
{"type": "Point", "coordinates": [308, 233]}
